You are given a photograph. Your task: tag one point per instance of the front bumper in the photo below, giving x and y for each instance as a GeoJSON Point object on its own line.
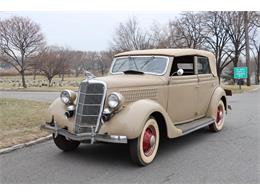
{"type": "Point", "coordinates": [92, 137]}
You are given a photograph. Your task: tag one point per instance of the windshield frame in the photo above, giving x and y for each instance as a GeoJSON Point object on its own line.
{"type": "Point", "coordinates": [149, 73]}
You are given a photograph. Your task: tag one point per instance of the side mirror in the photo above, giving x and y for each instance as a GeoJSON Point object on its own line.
{"type": "Point", "coordinates": [180, 72]}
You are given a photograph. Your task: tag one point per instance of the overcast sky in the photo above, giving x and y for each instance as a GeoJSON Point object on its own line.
{"type": "Point", "coordinates": [89, 30]}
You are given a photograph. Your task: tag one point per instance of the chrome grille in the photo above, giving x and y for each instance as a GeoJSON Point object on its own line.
{"type": "Point", "coordinates": [90, 106]}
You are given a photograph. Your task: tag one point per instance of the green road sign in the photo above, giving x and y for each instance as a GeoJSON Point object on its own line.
{"type": "Point", "coordinates": [240, 72]}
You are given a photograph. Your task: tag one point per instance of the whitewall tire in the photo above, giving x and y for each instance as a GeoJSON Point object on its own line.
{"type": "Point", "coordinates": [144, 148]}
{"type": "Point", "coordinates": [220, 116]}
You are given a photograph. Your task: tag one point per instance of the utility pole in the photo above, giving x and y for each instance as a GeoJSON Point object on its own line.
{"type": "Point", "coordinates": [247, 48]}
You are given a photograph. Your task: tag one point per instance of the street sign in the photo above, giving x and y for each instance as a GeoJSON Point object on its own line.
{"type": "Point", "coordinates": [240, 72]}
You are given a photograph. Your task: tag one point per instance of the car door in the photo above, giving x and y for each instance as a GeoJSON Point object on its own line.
{"type": "Point", "coordinates": [183, 90]}
{"type": "Point", "coordinates": [206, 84]}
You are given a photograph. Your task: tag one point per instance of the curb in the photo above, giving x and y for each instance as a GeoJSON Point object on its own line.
{"type": "Point", "coordinates": [30, 143]}
{"type": "Point", "coordinates": [257, 88]}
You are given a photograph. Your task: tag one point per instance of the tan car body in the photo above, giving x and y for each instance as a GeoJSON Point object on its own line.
{"type": "Point", "coordinates": [169, 98]}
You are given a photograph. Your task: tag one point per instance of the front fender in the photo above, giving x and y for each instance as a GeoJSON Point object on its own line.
{"type": "Point", "coordinates": [58, 109]}
{"type": "Point", "coordinates": [132, 118]}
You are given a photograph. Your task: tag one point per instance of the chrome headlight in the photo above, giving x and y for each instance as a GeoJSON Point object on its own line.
{"type": "Point", "coordinates": [67, 96]}
{"type": "Point", "coordinates": [115, 101]}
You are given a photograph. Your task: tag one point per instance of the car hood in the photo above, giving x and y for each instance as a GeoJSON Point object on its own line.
{"type": "Point", "coordinates": [125, 81]}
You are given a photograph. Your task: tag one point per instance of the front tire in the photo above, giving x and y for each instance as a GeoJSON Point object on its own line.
{"type": "Point", "coordinates": [219, 118]}
{"type": "Point", "coordinates": [144, 148]}
{"type": "Point", "coordinates": [66, 145]}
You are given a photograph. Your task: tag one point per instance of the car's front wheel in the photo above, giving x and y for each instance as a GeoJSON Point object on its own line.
{"type": "Point", "coordinates": [64, 144]}
{"type": "Point", "coordinates": [219, 118]}
{"type": "Point", "coordinates": [144, 148]}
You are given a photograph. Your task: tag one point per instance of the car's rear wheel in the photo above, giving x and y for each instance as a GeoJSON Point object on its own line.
{"type": "Point", "coordinates": [219, 118]}
{"type": "Point", "coordinates": [144, 148]}
{"type": "Point", "coordinates": [64, 144]}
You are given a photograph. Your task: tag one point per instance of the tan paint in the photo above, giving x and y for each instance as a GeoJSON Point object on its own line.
{"type": "Point", "coordinates": [58, 109]}
{"type": "Point", "coordinates": [131, 119]}
{"type": "Point", "coordinates": [182, 103]}
{"type": "Point", "coordinates": [207, 83]}
{"type": "Point", "coordinates": [132, 80]}
{"type": "Point", "coordinates": [196, 95]}
{"type": "Point", "coordinates": [217, 95]}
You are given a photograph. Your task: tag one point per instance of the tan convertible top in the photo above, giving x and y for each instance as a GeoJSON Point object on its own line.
{"type": "Point", "coordinates": [175, 52]}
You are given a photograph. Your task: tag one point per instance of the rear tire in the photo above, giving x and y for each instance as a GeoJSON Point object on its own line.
{"type": "Point", "coordinates": [66, 145]}
{"type": "Point", "coordinates": [219, 118]}
{"type": "Point", "coordinates": [144, 148]}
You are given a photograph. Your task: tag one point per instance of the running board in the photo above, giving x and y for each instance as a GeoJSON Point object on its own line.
{"type": "Point", "coordinates": [195, 125]}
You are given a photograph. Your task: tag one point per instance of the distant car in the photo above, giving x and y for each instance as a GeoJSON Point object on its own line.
{"type": "Point", "coordinates": [147, 94]}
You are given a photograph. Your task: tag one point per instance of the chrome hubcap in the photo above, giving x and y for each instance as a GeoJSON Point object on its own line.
{"type": "Point", "coordinates": [152, 141]}
{"type": "Point", "coordinates": [149, 141]}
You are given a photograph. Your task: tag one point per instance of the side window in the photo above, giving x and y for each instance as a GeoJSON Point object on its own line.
{"type": "Point", "coordinates": [203, 65]}
{"type": "Point", "coordinates": [184, 62]}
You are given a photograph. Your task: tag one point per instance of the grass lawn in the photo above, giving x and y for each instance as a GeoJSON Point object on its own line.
{"type": "Point", "coordinates": [20, 121]}
{"type": "Point", "coordinates": [244, 88]}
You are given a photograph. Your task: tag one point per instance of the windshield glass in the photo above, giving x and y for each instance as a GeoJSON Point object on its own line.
{"type": "Point", "coordinates": [145, 64]}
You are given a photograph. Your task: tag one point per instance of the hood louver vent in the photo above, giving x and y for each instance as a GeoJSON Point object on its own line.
{"type": "Point", "coordinates": [134, 95]}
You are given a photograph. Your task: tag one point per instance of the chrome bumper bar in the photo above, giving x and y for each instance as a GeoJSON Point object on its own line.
{"type": "Point", "coordinates": [86, 137]}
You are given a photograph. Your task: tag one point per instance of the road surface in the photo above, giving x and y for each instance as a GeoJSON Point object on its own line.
{"type": "Point", "coordinates": [36, 96]}
{"type": "Point", "coordinates": [230, 156]}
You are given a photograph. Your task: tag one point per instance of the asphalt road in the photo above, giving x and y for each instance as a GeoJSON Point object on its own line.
{"type": "Point", "coordinates": [36, 96]}
{"type": "Point", "coordinates": [230, 156]}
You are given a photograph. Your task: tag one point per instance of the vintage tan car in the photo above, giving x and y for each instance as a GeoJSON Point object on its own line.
{"type": "Point", "coordinates": [147, 94]}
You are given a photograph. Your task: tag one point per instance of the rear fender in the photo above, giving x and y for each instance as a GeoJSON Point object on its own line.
{"type": "Point", "coordinates": [218, 94]}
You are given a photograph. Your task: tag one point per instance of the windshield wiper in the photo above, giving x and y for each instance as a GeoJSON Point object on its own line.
{"type": "Point", "coordinates": [131, 58]}
{"type": "Point", "coordinates": [147, 62]}
{"type": "Point", "coordinates": [133, 72]}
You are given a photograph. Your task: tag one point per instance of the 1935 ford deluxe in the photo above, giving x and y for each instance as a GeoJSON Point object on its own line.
{"type": "Point", "coordinates": [146, 95]}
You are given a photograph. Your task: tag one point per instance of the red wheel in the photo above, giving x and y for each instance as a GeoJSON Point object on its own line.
{"type": "Point", "coordinates": [149, 140]}
{"type": "Point", "coordinates": [219, 117]}
{"type": "Point", "coordinates": [144, 148]}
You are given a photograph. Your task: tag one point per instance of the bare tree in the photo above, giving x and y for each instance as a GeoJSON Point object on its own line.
{"type": "Point", "coordinates": [129, 36]}
{"type": "Point", "coordinates": [65, 61]}
{"type": "Point", "coordinates": [256, 54]}
{"type": "Point", "coordinates": [160, 36]}
{"type": "Point", "coordinates": [236, 29]}
{"type": "Point", "coordinates": [77, 60]}
{"type": "Point", "coordinates": [20, 39]}
{"type": "Point", "coordinates": [245, 14]}
{"type": "Point", "coordinates": [188, 30]}
{"type": "Point", "coordinates": [91, 61]}
{"type": "Point", "coordinates": [217, 38]}
{"type": "Point", "coordinates": [104, 61]}
{"type": "Point", "coordinates": [50, 62]}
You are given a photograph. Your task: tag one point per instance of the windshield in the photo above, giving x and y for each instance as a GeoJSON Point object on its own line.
{"type": "Point", "coordinates": [145, 64]}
